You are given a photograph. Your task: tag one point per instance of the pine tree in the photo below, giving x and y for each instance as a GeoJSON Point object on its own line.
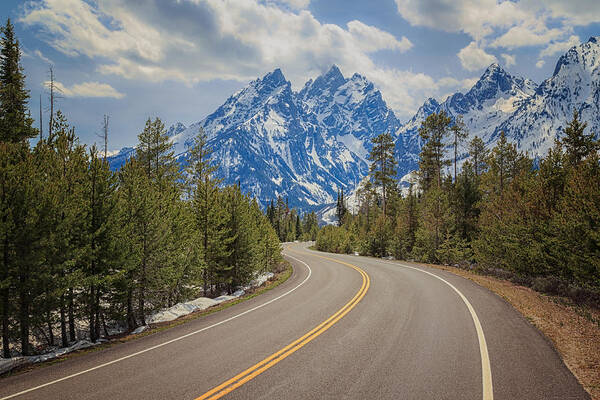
{"type": "Point", "coordinates": [66, 163]}
{"type": "Point", "coordinates": [209, 212]}
{"type": "Point", "coordinates": [102, 255]}
{"type": "Point", "coordinates": [135, 206]}
{"type": "Point", "coordinates": [433, 131]}
{"type": "Point", "coordinates": [505, 163]}
{"type": "Point", "coordinates": [15, 120]}
{"type": "Point", "coordinates": [239, 266]}
{"type": "Point", "coordinates": [341, 209]}
{"type": "Point", "coordinates": [22, 232]}
{"type": "Point", "coordinates": [13, 188]}
{"type": "Point", "coordinates": [459, 134]}
{"type": "Point", "coordinates": [577, 144]}
{"type": "Point", "coordinates": [478, 153]}
{"type": "Point", "coordinates": [383, 165]}
{"type": "Point", "coordinates": [298, 227]}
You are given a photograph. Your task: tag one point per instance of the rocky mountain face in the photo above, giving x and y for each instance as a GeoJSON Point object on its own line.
{"type": "Point", "coordinates": [307, 145]}
{"type": "Point", "coordinates": [531, 116]}
{"type": "Point", "coordinates": [304, 145]}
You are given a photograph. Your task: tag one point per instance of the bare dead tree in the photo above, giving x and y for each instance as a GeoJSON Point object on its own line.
{"type": "Point", "coordinates": [41, 126]}
{"type": "Point", "coordinates": [51, 87]}
{"type": "Point", "coordinates": [104, 134]}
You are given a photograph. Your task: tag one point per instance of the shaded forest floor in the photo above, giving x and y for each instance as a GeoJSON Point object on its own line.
{"type": "Point", "coordinates": [282, 273]}
{"type": "Point", "coordinates": [573, 329]}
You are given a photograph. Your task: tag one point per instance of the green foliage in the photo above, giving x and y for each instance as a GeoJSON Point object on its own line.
{"type": "Point", "coordinates": [433, 131]}
{"type": "Point", "coordinates": [334, 239]}
{"type": "Point", "coordinates": [15, 121]}
{"type": "Point", "coordinates": [498, 212]}
{"type": "Point", "coordinates": [578, 145]}
{"type": "Point", "coordinates": [382, 171]}
{"type": "Point", "coordinates": [83, 243]}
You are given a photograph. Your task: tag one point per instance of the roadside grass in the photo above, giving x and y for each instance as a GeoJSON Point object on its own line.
{"type": "Point", "coordinates": [573, 329]}
{"type": "Point", "coordinates": [279, 278]}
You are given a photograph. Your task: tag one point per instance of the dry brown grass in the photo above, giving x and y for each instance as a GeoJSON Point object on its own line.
{"type": "Point", "coordinates": [574, 330]}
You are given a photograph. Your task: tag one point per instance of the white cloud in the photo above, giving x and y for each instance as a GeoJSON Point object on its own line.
{"type": "Point", "coordinates": [574, 12]}
{"type": "Point", "coordinates": [474, 57]}
{"type": "Point", "coordinates": [201, 41]}
{"type": "Point", "coordinates": [560, 47]}
{"type": "Point", "coordinates": [478, 18]}
{"type": "Point", "coordinates": [527, 35]}
{"type": "Point", "coordinates": [294, 4]}
{"type": "Point", "coordinates": [508, 24]}
{"type": "Point", "coordinates": [509, 59]}
{"type": "Point", "coordinates": [43, 58]}
{"type": "Point", "coordinates": [87, 89]}
{"type": "Point", "coordinates": [484, 18]}
{"type": "Point", "coordinates": [540, 63]}
{"type": "Point", "coordinates": [370, 38]}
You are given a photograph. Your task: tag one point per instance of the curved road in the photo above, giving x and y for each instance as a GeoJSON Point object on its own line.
{"type": "Point", "coordinates": [342, 327]}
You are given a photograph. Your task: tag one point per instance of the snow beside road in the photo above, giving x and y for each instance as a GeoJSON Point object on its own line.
{"type": "Point", "coordinates": [202, 303]}
{"type": "Point", "coordinates": [14, 362]}
{"type": "Point", "coordinates": [169, 314]}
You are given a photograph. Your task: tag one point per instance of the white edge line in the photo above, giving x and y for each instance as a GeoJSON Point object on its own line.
{"type": "Point", "coordinates": [486, 371]}
{"type": "Point", "coordinates": [165, 343]}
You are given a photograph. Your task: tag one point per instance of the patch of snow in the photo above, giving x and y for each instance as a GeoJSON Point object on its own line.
{"type": "Point", "coordinates": [8, 364]}
{"type": "Point", "coordinates": [202, 303]}
{"type": "Point", "coordinates": [140, 329]}
{"type": "Point", "coordinates": [354, 145]}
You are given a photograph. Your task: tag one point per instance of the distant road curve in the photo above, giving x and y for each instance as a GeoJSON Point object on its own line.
{"type": "Point", "coordinates": [341, 327]}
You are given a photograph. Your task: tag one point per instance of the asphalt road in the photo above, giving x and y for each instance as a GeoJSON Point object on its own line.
{"type": "Point", "coordinates": [342, 327]}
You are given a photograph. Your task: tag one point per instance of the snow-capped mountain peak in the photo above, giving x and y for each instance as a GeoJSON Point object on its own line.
{"type": "Point", "coordinates": [585, 56]}
{"type": "Point", "coordinates": [302, 145]}
{"type": "Point", "coordinates": [306, 145]}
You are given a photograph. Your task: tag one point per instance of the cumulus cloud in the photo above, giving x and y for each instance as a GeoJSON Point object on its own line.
{"type": "Point", "coordinates": [574, 12]}
{"type": "Point", "coordinates": [43, 57]}
{"type": "Point", "coordinates": [474, 57]}
{"type": "Point", "coordinates": [201, 41]}
{"type": "Point", "coordinates": [560, 47]}
{"type": "Point", "coordinates": [505, 23]}
{"type": "Point", "coordinates": [478, 18]}
{"type": "Point", "coordinates": [87, 89]}
{"type": "Point", "coordinates": [370, 38]}
{"type": "Point", "coordinates": [540, 63]}
{"type": "Point", "coordinates": [527, 35]}
{"type": "Point", "coordinates": [509, 59]}
{"type": "Point", "coordinates": [293, 4]}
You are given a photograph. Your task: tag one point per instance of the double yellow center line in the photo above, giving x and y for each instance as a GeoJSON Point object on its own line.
{"type": "Point", "coordinates": [257, 369]}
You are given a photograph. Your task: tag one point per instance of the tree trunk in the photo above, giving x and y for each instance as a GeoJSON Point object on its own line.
{"type": "Point", "coordinates": [63, 322]}
{"type": "Point", "coordinates": [50, 330]}
{"type": "Point", "coordinates": [5, 304]}
{"type": "Point", "coordinates": [72, 336]}
{"type": "Point", "coordinates": [92, 313]}
{"type": "Point", "coordinates": [142, 305]}
{"type": "Point", "coordinates": [131, 323]}
{"type": "Point", "coordinates": [24, 314]}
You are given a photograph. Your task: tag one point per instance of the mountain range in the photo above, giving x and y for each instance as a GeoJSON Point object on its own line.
{"type": "Point", "coordinates": [306, 145]}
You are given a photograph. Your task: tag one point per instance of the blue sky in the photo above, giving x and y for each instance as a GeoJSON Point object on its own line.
{"type": "Point", "coordinates": [180, 60]}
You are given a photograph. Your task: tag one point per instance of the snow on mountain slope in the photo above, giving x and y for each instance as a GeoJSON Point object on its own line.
{"type": "Point", "coordinates": [490, 102]}
{"type": "Point", "coordinates": [575, 85]}
{"type": "Point", "coordinates": [307, 145]}
{"type": "Point", "coordinates": [301, 145]}
{"type": "Point", "coordinates": [531, 116]}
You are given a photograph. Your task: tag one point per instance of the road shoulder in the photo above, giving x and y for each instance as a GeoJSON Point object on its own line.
{"type": "Point", "coordinates": [573, 330]}
{"type": "Point", "coordinates": [278, 279]}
